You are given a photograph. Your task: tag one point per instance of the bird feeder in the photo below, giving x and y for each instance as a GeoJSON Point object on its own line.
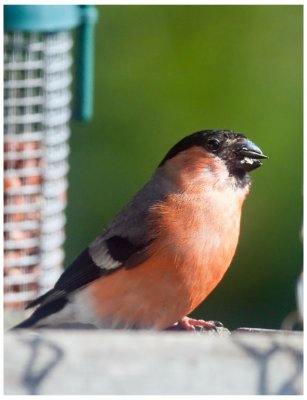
{"type": "Point", "coordinates": [38, 60]}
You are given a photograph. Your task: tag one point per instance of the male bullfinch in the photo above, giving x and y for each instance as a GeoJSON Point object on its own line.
{"type": "Point", "coordinates": [167, 249]}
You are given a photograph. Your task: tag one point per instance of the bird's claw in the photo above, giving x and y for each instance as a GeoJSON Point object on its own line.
{"type": "Point", "coordinates": [191, 324]}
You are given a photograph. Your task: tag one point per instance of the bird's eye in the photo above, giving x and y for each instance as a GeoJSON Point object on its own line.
{"type": "Point", "coordinates": [213, 144]}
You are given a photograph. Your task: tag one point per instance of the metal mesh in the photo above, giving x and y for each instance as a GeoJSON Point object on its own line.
{"type": "Point", "coordinates": [37, 94]}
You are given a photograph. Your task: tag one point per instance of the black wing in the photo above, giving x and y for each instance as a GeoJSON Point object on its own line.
{"type": "Point", "coordinates": [84, 270]}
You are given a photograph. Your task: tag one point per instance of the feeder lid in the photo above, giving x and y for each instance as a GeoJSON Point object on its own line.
{"type": "Point", "coordinates": [46, 18]}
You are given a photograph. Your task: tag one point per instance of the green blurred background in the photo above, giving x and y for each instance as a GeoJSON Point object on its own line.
{"type": "Point", "coordinates": [162, 72]}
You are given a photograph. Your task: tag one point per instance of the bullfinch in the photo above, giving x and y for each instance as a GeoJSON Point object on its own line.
{"type": "Point", "coordinates": [167, 249]}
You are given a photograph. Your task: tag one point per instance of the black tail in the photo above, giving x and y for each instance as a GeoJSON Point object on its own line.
{"type": "Point", "coordinates": [39, 299]}
{"type": "Point", "coordinates": [42, 312]}
{"type": "Point", "coordinates": [27, 323]}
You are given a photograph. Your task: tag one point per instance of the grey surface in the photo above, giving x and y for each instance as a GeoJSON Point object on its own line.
{"type": "Point", "coordinates": [89, 362]}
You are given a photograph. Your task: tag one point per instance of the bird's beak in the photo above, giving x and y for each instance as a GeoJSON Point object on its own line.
{"type": "Point", "coordinates": [246, 148]}
{"type": "Point", "coordinates": [247, 154]}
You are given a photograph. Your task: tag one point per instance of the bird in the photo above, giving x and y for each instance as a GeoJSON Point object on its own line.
{"type": "Point", "coordinates": [167, 249]}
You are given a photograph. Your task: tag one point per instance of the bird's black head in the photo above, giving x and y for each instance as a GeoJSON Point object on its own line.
{"type": "Point", "coordinates": [240, 154]}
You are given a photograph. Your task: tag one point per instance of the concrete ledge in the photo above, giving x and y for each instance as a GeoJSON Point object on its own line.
{"type": "Point", "coordinates": [96, 362]}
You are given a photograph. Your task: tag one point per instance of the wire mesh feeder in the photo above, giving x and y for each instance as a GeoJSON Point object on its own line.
{"type": "Point", "coordinates": [36, 114]}
{"type": "Point", "coordinates": [37, 76]}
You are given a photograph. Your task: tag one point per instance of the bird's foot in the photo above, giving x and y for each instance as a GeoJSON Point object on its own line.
{"type": "Point", "coordinates": [191, 324]}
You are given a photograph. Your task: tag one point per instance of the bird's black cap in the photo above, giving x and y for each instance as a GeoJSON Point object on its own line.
{"type": "Point", "coordinates": [239, 153]}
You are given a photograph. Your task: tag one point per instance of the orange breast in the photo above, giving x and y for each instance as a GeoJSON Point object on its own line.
{"type": "Point", "coordinates": [197, 237]}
